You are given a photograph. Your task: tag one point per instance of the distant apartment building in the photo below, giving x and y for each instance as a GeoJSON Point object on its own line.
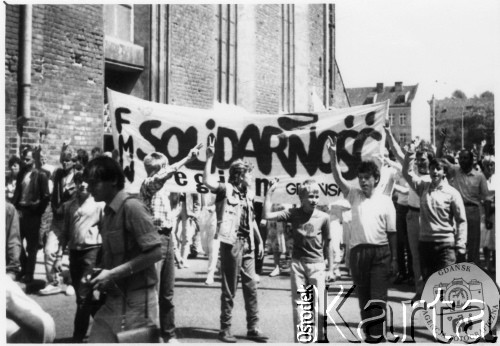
{"type": "Point", "coordinates": [59, 60]}
{"type": "Point", "coordinates": [409, 112]}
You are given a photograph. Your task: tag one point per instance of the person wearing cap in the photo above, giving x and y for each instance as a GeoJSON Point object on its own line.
{"type": "Point", "coordinates": [156, 197]}
{"type": "Point", "coordinates": [238, 234]}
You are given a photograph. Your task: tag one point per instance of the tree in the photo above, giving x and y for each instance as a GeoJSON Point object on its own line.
{"type": "Point", "coordinates": [459, 94]}
{"type": "Point", "coordinates": [487, 95]}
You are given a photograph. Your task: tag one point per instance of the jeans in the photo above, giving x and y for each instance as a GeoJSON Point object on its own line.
{"type": "Point", "coordinates": [259, 262]}
{"type": "Point", "coordinates": [405, 265]}
{"type": "Point", "coordinates": [29, 224]}
{"type": "Point", "coordinates": [370, 272]}
{"type": "Point", "coordinates": [165, 270]}
{"type": "Point", "coordinates": [50, 249]}
{"type": "Point", "coordinates": [231, 264]}
{"type": "Point", "coordinates": [473, 233]}
{"type": "Point", "coordinates": [438, 255]}
{"type": "Point", "coordinates": [186, 230]}
{"type": "Point", "coordinates": [81, 264]}
{"type": "Point", "coordinates": [413, 227]}
{"type": "Point", "coordinates": [304, 274]}
{"type": "Point", "coordinates": [108, 319]}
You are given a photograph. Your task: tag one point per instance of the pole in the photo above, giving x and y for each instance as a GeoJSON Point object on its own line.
{"type": "Point", "coordinates": [433, 107]}
{"type": "Point", "coordinates": [463, 108]}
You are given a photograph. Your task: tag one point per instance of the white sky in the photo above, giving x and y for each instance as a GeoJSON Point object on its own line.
{"type": "Point", "coordinates": [442, 45]}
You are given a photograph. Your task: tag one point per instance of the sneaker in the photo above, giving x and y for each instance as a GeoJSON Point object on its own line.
{"type": "Point", "coordinates": [256, 335]}
{"type": "Point", "coordinates": [50, 289]}
{"type": "Point", "coordinates": [257, 278]}
{"type": "Point", "coordinates": [227, 337]}
{"type": "Point", "coordinates": [172, 341]}
{"type": "Point", "coordinates": [70, 291]}
{"type": "Point", "coordinates": [275, 272]}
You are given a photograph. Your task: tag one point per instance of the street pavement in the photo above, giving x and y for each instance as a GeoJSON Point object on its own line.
{"type": "Point", "coordinates": [198, 307]}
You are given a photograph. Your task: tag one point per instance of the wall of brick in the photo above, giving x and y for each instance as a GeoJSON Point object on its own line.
{"type": "Point", "coordinates": [192, 55]}
{"type": "Point", "coordinates": [68, 66]}
{"type": "Point", "coordinates": [67, 77]}
{"type": "Point", "coordinates": [11, 69]}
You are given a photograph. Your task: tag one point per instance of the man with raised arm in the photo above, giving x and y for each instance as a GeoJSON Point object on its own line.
{"type": "Point", "coordinates": [156, 196]}
{"type": "Point", "coordinates": [423, 156]}
{"type": "Point", "coordinates": [473, 188]}
{"type": "Point", "coordinates": [443, 225]}
{"type": "Point", "coordinates": [238, 232]}
{"type": "Point", "coordinates": [372, 241]}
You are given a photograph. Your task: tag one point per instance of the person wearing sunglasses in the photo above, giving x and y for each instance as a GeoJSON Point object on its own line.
{"type": "Point", "coordinates": [31, 197]}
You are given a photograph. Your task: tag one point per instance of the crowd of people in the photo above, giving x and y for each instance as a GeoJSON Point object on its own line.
{"type": "Point", "coordinates": [408, 217]}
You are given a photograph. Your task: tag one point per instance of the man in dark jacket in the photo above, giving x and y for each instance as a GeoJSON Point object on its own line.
{"type": "Point", "coordinates": [30, 199]}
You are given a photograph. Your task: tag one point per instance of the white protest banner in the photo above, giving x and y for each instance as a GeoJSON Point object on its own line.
{"type": "Point", "coordinates": [291, 147]}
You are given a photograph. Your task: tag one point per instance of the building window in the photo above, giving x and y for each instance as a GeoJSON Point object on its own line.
{"type": "Point", "coordinates": [391, 119]}
{"type": "Point", "coordinates": [288, 58]}
{"type": "Point", "coordinates": [402, 119]}
{"type": "Point", "coordinates": [225, 75]}
{"type": "Point", "coordinates": [119, 21]}
{"type": "Point", "coordinates": [402, 138]}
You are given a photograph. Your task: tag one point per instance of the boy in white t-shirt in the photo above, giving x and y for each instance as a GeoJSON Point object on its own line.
{"type": "Point", "coordinates": [372, 241]}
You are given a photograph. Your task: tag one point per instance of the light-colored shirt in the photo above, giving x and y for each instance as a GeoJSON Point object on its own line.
{"type": "Point", "coordinates": [372, 218]}
{"type": "Point", "coordinates": [413, 198]}
{"type": "Point", "coordinates": [472, 186]}
{"type": "Point", "coordinates": [81, 223]}
{"type": "Point", "coordinates": [440, 207]}
{"type": "Point", "coordinates": [387, 180]}
{"type": "Point", "coordinates": [492, 182]}
{"type": "Point", "coordinates": [402, 198]}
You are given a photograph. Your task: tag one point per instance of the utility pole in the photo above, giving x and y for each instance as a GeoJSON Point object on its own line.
{"type": "Point", "coordinates": [433, 109]}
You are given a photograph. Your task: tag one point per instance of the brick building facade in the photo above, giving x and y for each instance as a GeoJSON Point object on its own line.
{"type": "Point", "coordinates": [265, 58]}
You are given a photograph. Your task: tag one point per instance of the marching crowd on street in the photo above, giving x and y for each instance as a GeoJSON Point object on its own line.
{"type": "Point", "coordinates": [416, 210]}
